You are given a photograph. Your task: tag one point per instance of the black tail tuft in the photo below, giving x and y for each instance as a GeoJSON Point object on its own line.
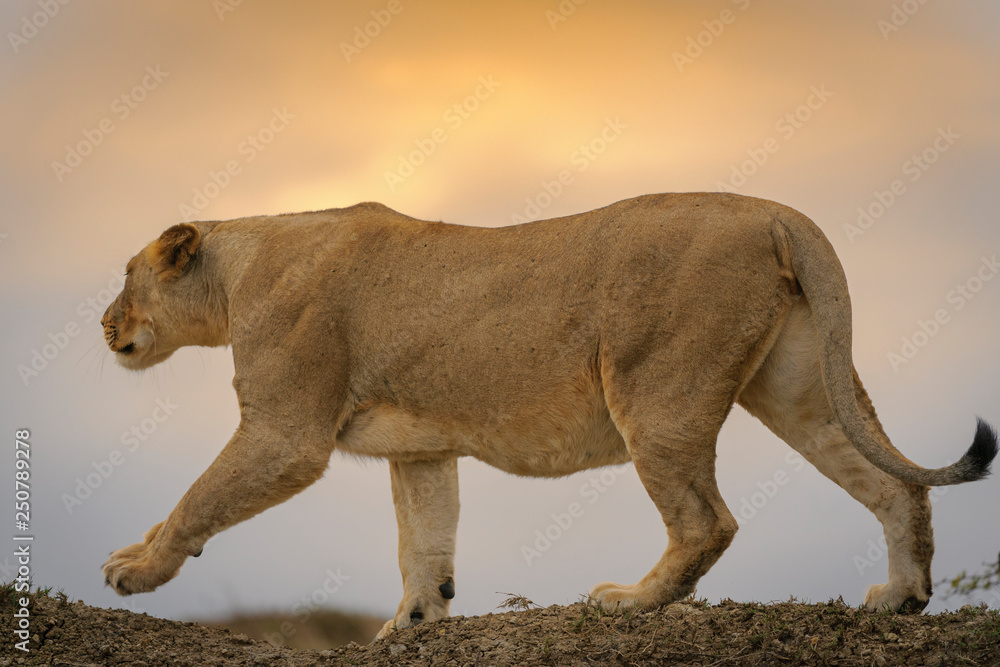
{"type": "Point", "coordinates": [982, 452]}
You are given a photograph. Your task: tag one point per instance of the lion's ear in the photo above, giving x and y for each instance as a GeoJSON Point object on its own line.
{"type": "Point", "coordinates": [174, 249]}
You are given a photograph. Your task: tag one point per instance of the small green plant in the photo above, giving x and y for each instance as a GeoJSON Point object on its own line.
{"type": "Point", "coordinates": [990, 632]}
{"type": "Point", "coordinates": [9, 595]}
{"type": "Point", "coordinates": [630, 613]}
{"type": "Point", "coordinates": [966, 584]}
{"type": "Point", "coordinates": [582, 621]}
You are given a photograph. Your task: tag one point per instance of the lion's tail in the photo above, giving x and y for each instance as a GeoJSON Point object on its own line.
{"type": "Point", "coordinates": [824, 285]}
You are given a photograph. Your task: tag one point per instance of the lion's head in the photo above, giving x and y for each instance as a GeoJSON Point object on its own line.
{"type": "Point", "coordinates": [166, 302]}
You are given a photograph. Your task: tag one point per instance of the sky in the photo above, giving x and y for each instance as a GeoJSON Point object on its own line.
{"type": "Point", "coordinates": [879, 120]}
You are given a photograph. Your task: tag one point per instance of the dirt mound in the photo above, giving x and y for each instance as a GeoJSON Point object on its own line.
{"type": "Point", "coordinates": [688, 633]}
{"type": "Point", "coordinates": [319, 630]}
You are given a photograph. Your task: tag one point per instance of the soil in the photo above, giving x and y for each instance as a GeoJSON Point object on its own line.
{"type": "Point", "coordinates": [73, 634]}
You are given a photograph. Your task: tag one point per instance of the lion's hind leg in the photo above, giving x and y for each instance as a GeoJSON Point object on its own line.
{"type": "Point", "coordinates": [679, 475]}
{"type": "Point", "coordinates": [788, 396]}
{"type": "Point", "coordinates": [670, 420]}
{"type": "Point", "coordinates": [671, 369]}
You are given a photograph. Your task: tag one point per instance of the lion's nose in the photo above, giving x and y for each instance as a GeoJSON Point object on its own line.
{"type": "Point", "coordinates": [106, 318]}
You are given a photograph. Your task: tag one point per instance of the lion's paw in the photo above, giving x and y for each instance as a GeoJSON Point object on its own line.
{"type": "Point", "coordinates": [612, 596]}
{"type": "Point", "coordinates": [139, 568]}
{"type": "Point", "coordinates": [387, 629]}
{"type": "Point", "coordinates": [882, 597]}
{"type": "Point", "coordinates": [418, 609]}
{"type": "Point", "coordinates": [401, 621]}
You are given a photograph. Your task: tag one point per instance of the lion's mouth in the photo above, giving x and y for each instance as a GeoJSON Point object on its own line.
{"type": "Point", "coordinates": [140, 352]}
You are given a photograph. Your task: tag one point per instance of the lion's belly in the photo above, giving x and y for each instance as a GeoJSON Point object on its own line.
{"type": "Point", "coordinates": [547, 447]}
{"type": "Point", "coordinates": [548, 439]}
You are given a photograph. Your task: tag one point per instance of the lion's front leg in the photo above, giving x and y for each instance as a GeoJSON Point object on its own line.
{"type": "Point", "coordinates": [426, 497]}
{"type": "Point", "coordinates": [259, 468]}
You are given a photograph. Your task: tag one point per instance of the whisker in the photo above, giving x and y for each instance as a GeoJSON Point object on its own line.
{"type": "Point", "coordinates": [94, 352]}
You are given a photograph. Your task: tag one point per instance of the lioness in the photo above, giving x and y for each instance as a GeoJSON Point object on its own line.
{"type": "Point", "coordinates": [622, 334]}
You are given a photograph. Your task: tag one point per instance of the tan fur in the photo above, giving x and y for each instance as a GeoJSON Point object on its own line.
{"type": "Point", "coordinates": [625, 333]}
